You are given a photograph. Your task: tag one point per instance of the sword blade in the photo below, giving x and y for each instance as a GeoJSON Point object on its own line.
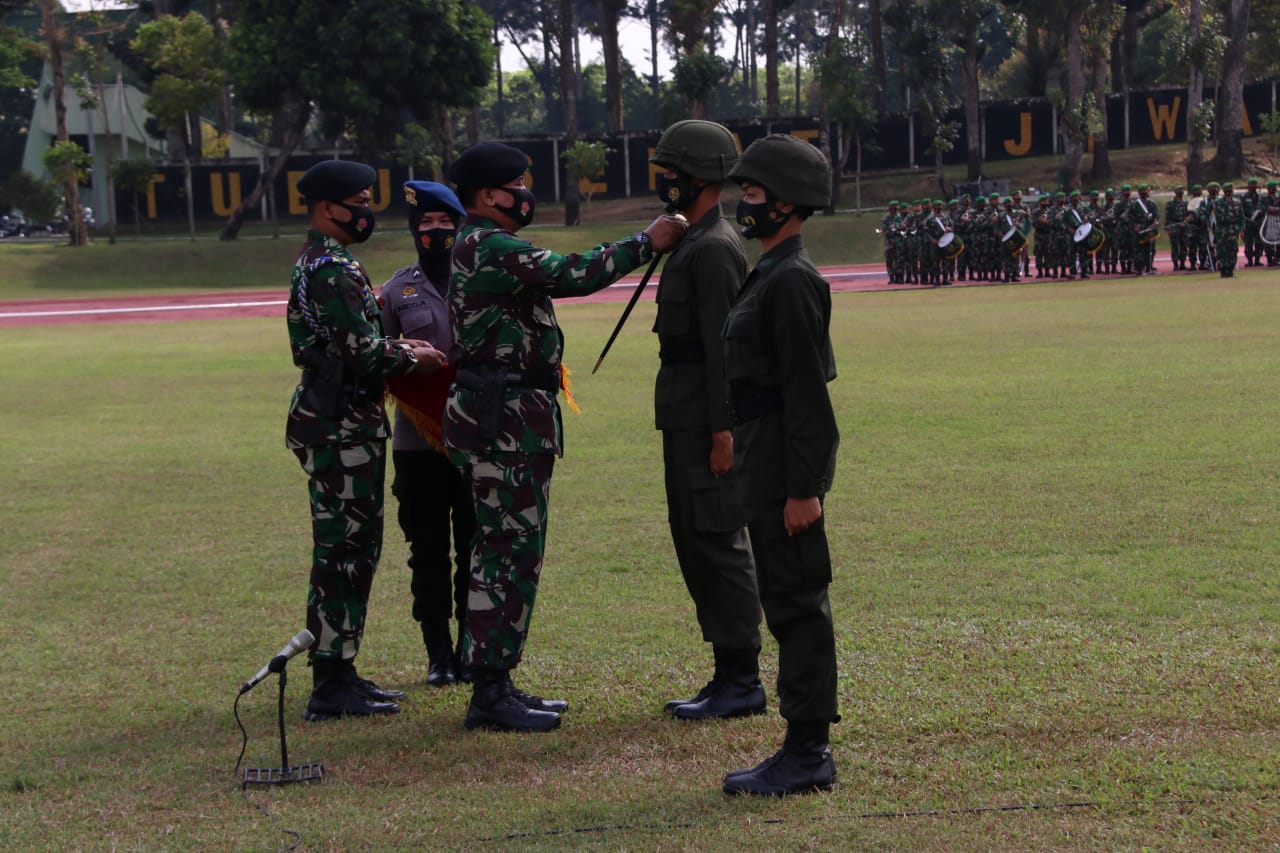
{"type": "Point", "coordinates": [626, 312]}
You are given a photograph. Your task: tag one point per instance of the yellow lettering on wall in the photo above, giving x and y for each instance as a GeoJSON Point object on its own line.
{"type": "Point", "coordinates": [654, 171]}
{"type": "Point", "coordinates": [806, 135]}
{"type": "Point", "coordinates": [1245, 124]}
{"type": "Point", "coordinates": [221, 206]}
{"type": "Point", "coordinates": [297, 205]}
{"type": "Point", "coordinates": [151, 195]}
{"type": "Point", "coordinates": [1163, 118]}
{"type": "Point", "coordinates": [588, 187]}
{"type": "Point", "coordinates": [381, 191]}
{"type": "Point", "coordinates": [1022, 145]}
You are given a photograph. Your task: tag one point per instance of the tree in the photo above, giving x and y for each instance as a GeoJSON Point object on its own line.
{"type": "Point", "coordinates": [54, 33]}
{"type": "Point", "coordinates": [1229, 161]}
{"type": "Point", "coordinates": [184, 53]}
{"type": "Point", "coordinates": [134, 177]}
{"type": "Point", "coordinates": [392, 58]}
{"type": "Point", "coordinates": [696, 77]}
{"type": "Point", "coordinates": [610, 14]}
{"type": "Point", "coordinates": [35, 197]}
{"type": "Point", "coordinates": [847, 88]}
{"type": "Point", "coordinates": [569, 98]}
{"type": "Point", "coordinates": [584, 162]}
{"type": "Point", "coordinates": [927, 63]}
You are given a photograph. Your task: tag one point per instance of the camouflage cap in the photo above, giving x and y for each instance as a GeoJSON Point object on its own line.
{"type": "Point", "coordinates": [955, 202]}
{"type": "Point", "coordinates": [1125, 188]}
{"type": "Point", "coordinates": [1195, 188]}
{"type": "Point", "coordinates": [993, 197]}
{"type": "Point", "coordinates": [1059, 195]}
{"type": "Point", "coordinates": [1228, 186]}
{"type": "Point", "coordinates": [1143, 188]}
{"type": "Point", "coordinates": [1213, 185]}
{"type": "Point", "coordinates": [894, 203]}
{"type": "Point", "coordinates": [1074, 194]}
{"type": "Point", "coordinates": [1273, 184]}
{"type": "Point", "coordinates": [1252, 181]}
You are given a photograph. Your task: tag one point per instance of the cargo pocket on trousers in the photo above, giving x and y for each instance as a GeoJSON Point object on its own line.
{"type": "Point", "coordinates": [715, 504]}
{"type": "Point", "coordinates": [787, 562]}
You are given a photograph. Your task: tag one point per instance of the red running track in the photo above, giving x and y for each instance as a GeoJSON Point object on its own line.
{"type": "Point", "coordinates": [271, 303]}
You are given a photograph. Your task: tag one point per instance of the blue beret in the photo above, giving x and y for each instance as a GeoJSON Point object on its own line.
{"type": "Point", "coordinates": [429, 197]}
{"type": "Point", "coordinates": [489, 164]}
{"type": "Point", "coordinates": [334, 180]}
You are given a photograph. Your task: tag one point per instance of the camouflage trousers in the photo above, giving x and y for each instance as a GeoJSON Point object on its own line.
{"type": "Point", "coordinates": [510, 493]}
{"type": "Point", "coordinates": [345, 485]}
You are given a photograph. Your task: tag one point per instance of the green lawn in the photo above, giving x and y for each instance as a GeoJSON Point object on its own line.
{"type": "Point", "coordinates": [1056, 537]}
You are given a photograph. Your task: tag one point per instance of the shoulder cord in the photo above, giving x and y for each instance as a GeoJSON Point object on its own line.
{"type": "Point", "coordinates": [353, 270]}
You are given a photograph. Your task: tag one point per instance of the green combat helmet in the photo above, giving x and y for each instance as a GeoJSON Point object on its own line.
{"type": "Point", "coordinates": [789, 169]}
{"type": "Point", "coordinates": [701, 149]}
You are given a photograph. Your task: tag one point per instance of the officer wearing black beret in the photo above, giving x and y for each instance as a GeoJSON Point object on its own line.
{"type": "Point", "coordinates": [502, 420]}
{"type": "Point", "coordinates": [337, 427]}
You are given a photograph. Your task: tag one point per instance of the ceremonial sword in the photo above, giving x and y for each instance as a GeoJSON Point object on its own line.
{"type": "Point", "coordinates": [626, 312]}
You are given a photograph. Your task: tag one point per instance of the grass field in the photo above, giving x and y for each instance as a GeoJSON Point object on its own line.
{"type": "Point", "coordinates": [1056, 536]}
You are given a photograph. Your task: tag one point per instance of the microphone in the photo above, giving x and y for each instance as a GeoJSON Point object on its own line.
{"type": "Point", "coordinates": [301, 641]}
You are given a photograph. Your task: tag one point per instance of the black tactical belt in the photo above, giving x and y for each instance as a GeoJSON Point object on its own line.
{"type": "Point", "coordinates": [747, 407]}
{"type": "Point", "coordinates": [685, 352]}
{"type": "Point", "coordinates": [477, 377]}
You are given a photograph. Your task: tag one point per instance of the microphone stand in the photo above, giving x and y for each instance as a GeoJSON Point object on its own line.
{"type": "Point", "coordinates": [284, 774]}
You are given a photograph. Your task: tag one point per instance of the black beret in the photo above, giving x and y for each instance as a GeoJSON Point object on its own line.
{"type": "Point", "coordinates": [489, 164]}
{"type": "Point", "coordinates": [334, 180]}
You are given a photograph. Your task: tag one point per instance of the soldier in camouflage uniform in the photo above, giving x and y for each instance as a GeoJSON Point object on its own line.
{"type": "Point", "coordinates": [1022, 215]}
{"type": "Point", "coordinates": [778, 361]}
{"type": "Point", "coordinates": [1010, 261]}
{"type": "Point", "coordinates": [1110, 251]}
{"type": "Point", "coordinates": [1175, 223]}
{"type": "Point", "coordinates": [1073, 217]}
{"type": "Point", "coordinates": [1270, 205]}
{"type": "Point", "coordinates": [979, 252]}
{"type": "Point", "coordinates": [1042, 222]}
{"type": "Point", "coordinates": [502, 420]}
{"type": "Point", "coordinates": [1228, 222]}
{"type": "Point", "coordinates": [894, 244]}
{"type": "Point", "coordinates": [964, 230]}
{"type": "Point", "coordinates": [337, 427]}
{"type": "Point", "coordinates": [1197, 239]}
{"type": "Point", "coordinates": [708, 529]}
{"type": "Point", "coordinates": [1250, 200]}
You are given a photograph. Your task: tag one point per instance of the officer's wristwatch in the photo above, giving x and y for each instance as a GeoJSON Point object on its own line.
{"type": "Point", "coordinates": [644, 238]}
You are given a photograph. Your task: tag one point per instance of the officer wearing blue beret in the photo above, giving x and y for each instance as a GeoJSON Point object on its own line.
{"type": "Point", "coordinates": [433, 498]}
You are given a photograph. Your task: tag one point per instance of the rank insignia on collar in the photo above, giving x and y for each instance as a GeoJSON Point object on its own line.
{"type": "Point", "coordinates": [409, 290]}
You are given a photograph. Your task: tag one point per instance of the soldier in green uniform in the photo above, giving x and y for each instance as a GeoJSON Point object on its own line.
{"type": "Point", "coordinates": [502, 420]}
{"type": "Point", "coordinates": [1228, 216]}
{"type": "Point", "coordinates": [1022, 215]}
{"type": "Point", "coordinates": [1197, 239]}
{"type": "Point", "coordinates": [1042, 222]}
{"type": "Point", "coordinates": [699, 282]}
{"type": "Point", "coordinates": [1207, 217]}
{"type": "Point", "coordinates": [338, 429]}
{"type": "Point", "coordinates": [778, 361]}
{"type": "Point", "coordinates": [891, 233]}
{"type": "Point", "coordinates": [980, 246]}
{"type": "Point", "coordinates": [1175, 223]}
{"type": "Point", "coordinates": [1270, 205]}
{"type": "Point", "coordinates": [964, 230]}
{"type": "Point", "coordinates": [1145, 214]}
{"type": "Point", "coordinates": [1111, 229]}
{"type": "Point", "coordinates": [1010, 261]}
{"type": "Point", "coordinates": [1250, 200]}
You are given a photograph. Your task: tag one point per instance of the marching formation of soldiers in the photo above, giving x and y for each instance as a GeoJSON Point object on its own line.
{"type": "Point", "coordinates": [992, 239]}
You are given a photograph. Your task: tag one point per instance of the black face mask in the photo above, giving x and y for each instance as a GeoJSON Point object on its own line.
{"type": "Point", "coordinates": [361, 224]}
{"type": "Point", "coordinates": [521, 211]}
{"type": "Point", "coordinates": [676, 193]}
{"type": "Point", "coordinates": [760, 220]}
{"type": "Point", "coordinates": [435, 242]}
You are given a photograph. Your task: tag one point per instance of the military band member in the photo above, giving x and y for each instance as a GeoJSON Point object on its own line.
{"type": "Point", "coordinates": [502, 421]}
{"type": "Point", "coordinates": [337, 427]}
{"type": "Point", "coordinates": [1250, 200]}
{"type": "Point", "coordinates": [1042, 223]}
{"type": "Point", "coordinates": [1145, 214]}
{"type": "Point", "coordinates": [1197, 238]}
{"type": "Point", "coordinates": [1175, 223]}
{"type": "Point", "coordinates": [894, 244]}
{"type": "Point", "coordinates": [964, 230]}
{"type": "Point", "coordinates": [1072, 218]}
{"type": "Point", "coordinates": [779, 359]}
{"type": "Point", "coordinates": [1112, 228]}
{"type": "Point", "coordinates": [1207, 219]}
{"type": "Point", "coordinates": [1270, 205]}
{"type": "Point", "coordinates": [1022, 215]}
{"type": "Point", "coordinates": [699, 282]}
{"type": "Point", "coordinates": [1228, 216]}
{"type": "Point", "coordinates": [1010, 261]}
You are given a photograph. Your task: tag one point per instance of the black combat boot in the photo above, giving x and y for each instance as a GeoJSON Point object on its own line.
{"type": "Point", "coordinates": [671, 706]}
{"type": "Point", "coordinates": [367, 687]}
{"type": "Point", "coordinates": [803, 765]}
{"type": "Point", "coordinates": [493, 706]}
{"type": "Point", "coordinates": [336, 695]}
{"type": "Point", "coordinates": [536, 703]}
{"type": "Point", "coordinates": [440, 663]}
{"type": "Point", "coordinates": [735, 692]}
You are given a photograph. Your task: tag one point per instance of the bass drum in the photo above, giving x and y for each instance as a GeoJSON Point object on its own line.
{"type": "Point", "coordinates": [951, 245]}
{"type": "Point", "coordinates": [1269, 233]}
{"type": "Point", "coordinates": [1014, 241]}
{"type": "Point", "coordinates": [1091, 238]}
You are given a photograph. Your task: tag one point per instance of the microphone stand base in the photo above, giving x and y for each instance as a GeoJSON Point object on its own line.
{"type": "Point", "coordinates": [281, 775]}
